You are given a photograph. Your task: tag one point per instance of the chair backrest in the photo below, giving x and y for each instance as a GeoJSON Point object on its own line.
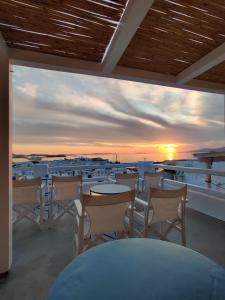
{"type": "Point", "coordinates": [66, 187]}
{"type": "Point", "coordinates": [107, 212]}
{"type": "Point", "coordinates": [166, 203]}
{"type": "Point", "coordinates": [26, 191]}
{"type": "Point", "coordinates": [152, 180]}
{"type": "Point", "coordinates": [127, 179]}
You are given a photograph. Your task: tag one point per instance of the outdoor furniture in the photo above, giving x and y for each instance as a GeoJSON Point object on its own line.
{"type": "Point", "coordinates": [65, 189]}
{"type": "Point", "coordinates": [164, 206]}
{"type": "Point", "coordinates": [151, 180]}
{"type": "Point", "coordinates": [28, 201]}
{"type": "Point", "coordinates": [140, 269]}
{"type": "Point", "coordinates": [100, 214]}
{"type": "Point", "coordinates": [109, 189]}
{"type": "Point", "coordinates": [128, 179]}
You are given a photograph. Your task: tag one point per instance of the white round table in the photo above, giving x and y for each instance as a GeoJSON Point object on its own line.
{"type": "Point", "coordinates": [140, 269]}
{"type": "Point", "coordinates": [109, 189]}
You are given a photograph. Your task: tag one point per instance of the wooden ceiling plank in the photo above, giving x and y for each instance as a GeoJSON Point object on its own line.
{"type": "Point", "coordinates": [53, 28]}
{"type": "Point", "coordinates": [77, 45]}
{"type": "Point", "coordinates": [161, 32]}
{"type": "Point", "coordinates": [81, 27]}
{"type": "Point", "coordinates": [194, 24]}
{"type": "Point", "coordinates": [61, 11]}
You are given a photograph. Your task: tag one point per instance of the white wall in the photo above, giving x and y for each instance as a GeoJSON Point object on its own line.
{"type": "Point", "coordinates": [5, 160]}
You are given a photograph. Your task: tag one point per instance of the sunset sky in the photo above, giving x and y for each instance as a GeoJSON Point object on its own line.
{"type": "Point", "coordinates": [55, 112]}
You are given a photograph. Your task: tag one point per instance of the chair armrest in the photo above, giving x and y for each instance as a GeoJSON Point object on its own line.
{"type": "Point", "coordinates": [141, 179]}
{"type": "Point", "coordinates": [78, 207]}
{"type": "Point", "coordinates": [111, 180]}
{"type": "Point", "coordinates": [42, 185]}
{"type": "Point", "coordinates": [141, 202]}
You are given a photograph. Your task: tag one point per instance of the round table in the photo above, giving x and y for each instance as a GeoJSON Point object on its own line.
{"type": "Point", "coordinates": [109, 189]}
{"type": "Point", "coordinates": [140, 269]}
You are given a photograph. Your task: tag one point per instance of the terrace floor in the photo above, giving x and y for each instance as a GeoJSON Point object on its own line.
{"type": "Point", "coordinates": [39, 256]}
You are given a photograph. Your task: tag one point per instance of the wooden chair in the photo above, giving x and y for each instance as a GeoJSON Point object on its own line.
{"type": "Point", "coordinates": [28, 201]}
{"type": "Point", "coordinates": [164, 206]}
{"type": "Point", "coordinates": [151, 180]}
{"type": "Point", "coordinates": [130, 180]}
{"type": "Point", "coordinates": [100, 214]}
{"type": "Point", "coordinates": [127, 179]}
{"type": "Point", "coordinates": [65, 189]}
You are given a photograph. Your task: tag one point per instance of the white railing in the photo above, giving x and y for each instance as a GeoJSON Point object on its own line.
{"type": "Point", "coordinates": [191, 170]}
{"type": "Point", "coordinates": [66, 169]}
{"type": "Point", "coordinates": [204, 199]}
{"type": "Point", "coordinates": [91, 167]}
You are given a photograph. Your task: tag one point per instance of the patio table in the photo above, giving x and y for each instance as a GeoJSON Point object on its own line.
{"type": "Point", "coordinates": [109, 189]}
{"type": "Point", "coordinates": [140, 269]}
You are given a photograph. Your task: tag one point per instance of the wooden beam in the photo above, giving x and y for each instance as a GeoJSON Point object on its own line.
{"type": "Point", "coordinates": [5, 161]}
{"type": "Point", "coordinates": [142, 76]}
{"type": "Point", "coordinates": [208, 61]}
{"type": "Point", "coordinates": [70, 65]}
{"type": "Point", "coordinates": [166, 80]}
{"type": "Point", "coordinates": [52, 62]}
{"type": "Point", "coordinates": [133, 15]}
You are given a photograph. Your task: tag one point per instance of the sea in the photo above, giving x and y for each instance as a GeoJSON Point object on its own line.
{"type": "Point", "coordinates": [122, 157]}
{"type": "Point", "coordinates": [182, 159]}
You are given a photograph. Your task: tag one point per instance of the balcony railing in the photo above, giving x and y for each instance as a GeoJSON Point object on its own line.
{"type": "Point", "coordinates": [205, 199]}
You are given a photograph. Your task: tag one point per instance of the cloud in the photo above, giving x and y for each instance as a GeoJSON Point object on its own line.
{"type": "Point", "coordinates": [29, 90]}
{"type": "Point", "coordinates": [52, 108]}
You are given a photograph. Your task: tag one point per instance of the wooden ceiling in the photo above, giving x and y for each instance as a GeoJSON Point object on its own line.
{"type": "Point", "coordinates": [172, 35]}
{"type": "Point", "coordinates": [175, 34]}
{"type": "Point", "coordinates": [79, 29]}
{"type": "Point", "coordinates": [216, 74]}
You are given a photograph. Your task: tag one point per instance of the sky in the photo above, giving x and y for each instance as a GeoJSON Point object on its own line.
{"type": "Point", "coordinates": [56, 112]}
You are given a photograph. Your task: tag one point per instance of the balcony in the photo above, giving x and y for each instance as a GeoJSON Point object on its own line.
{"type": "Point", "coordinates": [39, 256]}
{"type": "Point", "coordinates": [157, 42]}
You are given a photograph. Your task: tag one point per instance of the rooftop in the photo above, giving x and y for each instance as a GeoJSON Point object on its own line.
{"type": "Point", "coordinates": [213, 155]}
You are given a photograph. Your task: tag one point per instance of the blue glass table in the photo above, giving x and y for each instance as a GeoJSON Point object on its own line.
{"type": "Point", "coordinates": [140, 269]}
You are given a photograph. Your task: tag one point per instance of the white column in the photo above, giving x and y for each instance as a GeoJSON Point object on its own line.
{"type": "Point", "coordinates": [5, 161]}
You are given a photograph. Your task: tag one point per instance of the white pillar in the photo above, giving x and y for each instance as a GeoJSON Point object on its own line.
{"type": "Point", "coordinates": [145, 166]}
{"type": "Point", "coordinates": [5, 161]}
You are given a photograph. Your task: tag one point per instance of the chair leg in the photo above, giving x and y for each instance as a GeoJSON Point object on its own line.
{"type": "Point", "coordinates": [159, 234]}
{"type": "Point", "coordinates": [183, 233]}
{"type": "Point", "coordinates": [146, 231]}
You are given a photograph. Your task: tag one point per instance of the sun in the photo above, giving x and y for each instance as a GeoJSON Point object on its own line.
{"type": "Point", "coordinates": [169, 150]}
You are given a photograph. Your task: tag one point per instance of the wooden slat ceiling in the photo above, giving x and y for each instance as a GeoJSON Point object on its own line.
{"type": "Point", "coordinates": [80, 29]}
{"type": "Point", "coordinates": [175, 34]}
{"type": "Point", "coordinates": [216, 74]}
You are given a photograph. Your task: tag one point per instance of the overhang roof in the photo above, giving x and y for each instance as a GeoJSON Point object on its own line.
{"type": "Point", "coordinates": [210, 156]}
{"type": "Point", "coordinates": [170, 42]}
{"type": "Point", "coordinates": [78, 29]}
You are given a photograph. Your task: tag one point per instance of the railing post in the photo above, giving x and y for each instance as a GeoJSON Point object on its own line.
{"type": "Point", "coordinates": [145, 166]}
{"type": "Point", "coordinates": [208, 180]}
